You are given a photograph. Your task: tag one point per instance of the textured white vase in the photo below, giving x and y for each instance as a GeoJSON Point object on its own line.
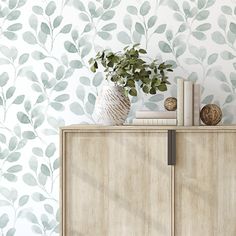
{"type": "Point", "coordinates": [112, 106]}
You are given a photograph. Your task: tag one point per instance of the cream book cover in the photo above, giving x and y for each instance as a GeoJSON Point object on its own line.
{"type": "Point", "coordinates": [188, 103]}
{"type": "Point", "coordinates": [196, 104]}
{"type": "Point", "coordinates": [180, 102]}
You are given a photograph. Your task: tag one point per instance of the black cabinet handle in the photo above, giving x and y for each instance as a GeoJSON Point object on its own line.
{"type": "Point", "coordinates": [171, 147]}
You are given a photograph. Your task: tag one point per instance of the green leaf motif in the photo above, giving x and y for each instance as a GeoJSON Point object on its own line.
{"type": "Point", "coordinates": [29, 38]}
{"type": "Point", "coordinates": [212, 58]}
{"type": "Point", "coordinates": [23, 58]}
{"type": "Point", "coordinates": [23, 118]}
{"type": "Point", "coordinates": [220, 76]}
{"type": "Point", "coordinates": [61, 86]}
{"type": "Point", "coordinates": [76, 108]}
{"type": "Point", "coordinates": [29, 135]}
{"type": "Point", "coordinates": [37, 10]}
{"type": "Point", "coordinates": [172, 4]}
{"type": "Point", "coordinates": [84, 80]}
{"type": "Point", "coordinates": [226, 55]}
{"type": "Point", "coordinates": [14, 15]}
{"type": "Point", "coordinates": [97, 80]}
{"type": "Point", "coordinates": [14, 27]}
{"type": "Point", "coordinates": [11, 232]}
{"type": "Point", "coordinates": [45, 28]}
{"type": "Point", "coordinates": [79, 5]}
{"type": "Point", "coordinates": [33, 22]}
{"type": "Point", "coordinates": [50, 9]}
{"type": "Point", "coordinates": [232, 27]}
{"type": "Point", "coordinates": [139, 28]}
{"type": "Point", "coordinates": [199, 35]}
{"type": "Point", "coordinates": [10, 177]}
{"type": "Point", "coordinates": [104, 35]}
{"type": "Point", "coordinates": [12, 4]}
{"type": "Point", "coordinates": [4, 77]}
{"type": "Point", "coordinates": [57, 21]}
{"type": "Point", "coordinates": [218, 37]}
{"type": "Point", "coordinates": [36, 229]}
{"type": "Point", "coordinates": [91, 98]}
{"type": "Point", "coordinates": [29, 179]}
{"type": "Point", "coordinates": [201, 4]}
{"type": "Point", "coordinates": [208, 99]}
{"type": "Point", "coordinates": [14, 156]}
{"type": "Point", "coordinates": [161, 29]}
{"type": "Point", "coordinates": [132, 10]}
{"type": "Point", "coordinates": [10, 92]}
{"type": "Point", "coordinates": [10, 35]}
{"type": "Point", "coordinates": [19, 99]}
{"type": "Point", "coordinates": [222, 22]}
{"type": "Point", "coordinates": [145, 8]}
{"type": "Point", "coordinates": [76, 64]}
{"type": "Point", "coordinates": [80, 92]}
{"type": "Point", "coordinates": [23, 200]}
{"type": "Point", "coordinates": [152, 21]}
{"type": "Point", "coordinates": [106, 4]}
{"type": "Point", "coordinates": [66, 29]}
{"type": "Point", "coordinates": [233, 79]}
{"type": "Point", "coordinates": [62, 98]}
{"type": "Point", "coordinates": [15, 169]}
{"type": "Point", "coordinates": [45, 170]}
{"type": "Point", "coordinates": [124, 38]}
{"type": "Point", "coordinates": [48, 208]}
{"type": "Point", "coordinates": [109, 27]}
{"type": "Point", "coordinates": [227, 10]}
{"type": "Point", "coordinates": [178, 16]}
{"type": "Point", "coordinates": [50, 150]}
{"type": "Point", "coordinates": [202, 15]}
{"type": "Point", "coordinates": [4, 219]}
{"type": "Point", "coordinates": [12, 143]}
{"type": "Point", "coordinates": [31, 217]}
{"type": "Point", "coordinates": [37, 55]}
{"type": "Point", "coordinates": [164, 47]}
{"type": "Point", "coordinates": [108, 15]}
{"type": "Point", "coordinates": [70, 47]}
{"type": "Point", "coordinates": [204, 27]}
{"type": "Point", "coordinates": [225, 88]}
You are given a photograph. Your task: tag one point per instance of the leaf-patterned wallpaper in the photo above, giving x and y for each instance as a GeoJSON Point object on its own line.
{"type": "Point", "coordinates": [45, 81]}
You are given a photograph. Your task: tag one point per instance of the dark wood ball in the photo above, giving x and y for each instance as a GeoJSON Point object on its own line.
{"type": "Point", "coordinates": [211, 114]}
{"type": "Point", "coordinates": [170, 104]}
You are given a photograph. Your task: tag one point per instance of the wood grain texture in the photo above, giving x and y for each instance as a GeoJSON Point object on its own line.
{"type": "Point", "coordinates": [116, 184]}
{"type": "Point", "coordinates": [205, 184]}
{"type": "Point", "coordinates": [155, 128]}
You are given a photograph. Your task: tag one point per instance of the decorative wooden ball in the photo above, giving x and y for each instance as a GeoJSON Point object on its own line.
{"type": "Point", "coordinates": [170, 104]}
{"type": "Point", "coordinates": [211, 114]}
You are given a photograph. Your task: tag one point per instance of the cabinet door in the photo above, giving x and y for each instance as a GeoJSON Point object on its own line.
{"type": "Point", "coordinates": [116, 184]}
{"type": "Point", "coordinates": [205, 184]}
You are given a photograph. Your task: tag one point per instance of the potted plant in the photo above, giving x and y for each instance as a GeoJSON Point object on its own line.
{"type": "Point", "coordinates": [126, 70]}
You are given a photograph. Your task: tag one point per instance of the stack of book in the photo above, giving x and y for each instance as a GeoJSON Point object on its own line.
{"type": "Point", "coordinates": [188, 103]}
{"type": "Point", "coordinates": [155, 118]}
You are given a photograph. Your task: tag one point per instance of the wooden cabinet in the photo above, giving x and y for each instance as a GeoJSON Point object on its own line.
{"type": "Point", "coordinates": [205, 183]}
{"type": "Point", "coordinates": [115, 181]}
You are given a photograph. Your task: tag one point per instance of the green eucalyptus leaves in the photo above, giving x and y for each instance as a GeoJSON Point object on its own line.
{"type": "Point", "coordinates": [127, 69]}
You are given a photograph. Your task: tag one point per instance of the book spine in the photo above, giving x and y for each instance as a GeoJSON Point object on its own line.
{"type": "Point", "coordinates": [196, 105]}
{"type": "Point", "coordinates": [156, 115]}
{"type": "Point", "coordinates": [154, 121]}
{"type": "Point", "coordinates": [188, 103]}
{"type": "Point", "coordinates": [180, 102]}
{"type": "Point", "coordinates": [138, 122]}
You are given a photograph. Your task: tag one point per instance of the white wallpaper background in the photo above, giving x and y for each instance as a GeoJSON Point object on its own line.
{"type": "Point", "coordinates": [45, 81]}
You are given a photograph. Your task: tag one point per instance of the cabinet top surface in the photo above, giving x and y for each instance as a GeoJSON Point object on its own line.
{"type": "Point", "coordinates": [77, 127]}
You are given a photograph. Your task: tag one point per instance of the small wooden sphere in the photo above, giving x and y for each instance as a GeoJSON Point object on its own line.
{"type": "Point", "coordinates": [211, 114]}
{"type": "Point", "coordinates": [170, 104]}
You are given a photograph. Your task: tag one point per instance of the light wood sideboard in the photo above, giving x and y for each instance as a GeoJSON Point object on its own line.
{"type": "Point", "coordinates": [148, 181]}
